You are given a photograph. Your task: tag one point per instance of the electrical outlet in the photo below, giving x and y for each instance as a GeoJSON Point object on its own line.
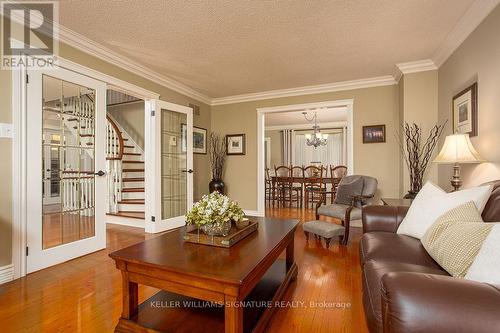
{"type": "Point", "coordinates": [6, 130]}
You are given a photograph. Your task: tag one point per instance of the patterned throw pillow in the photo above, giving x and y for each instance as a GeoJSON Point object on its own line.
{"type": "Point", "coordinates": [455, 239]}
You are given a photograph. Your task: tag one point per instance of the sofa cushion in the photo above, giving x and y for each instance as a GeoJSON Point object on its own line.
{"type": "Point", "coordinates": [391, 247]}
{"type": "Point", "coordinates": [338, 211]}
{"type": "Point", "coordinates": [373, 271]}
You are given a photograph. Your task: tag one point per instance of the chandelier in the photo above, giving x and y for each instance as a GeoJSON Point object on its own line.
{"type": "Point", "coordinates": [317, 138]}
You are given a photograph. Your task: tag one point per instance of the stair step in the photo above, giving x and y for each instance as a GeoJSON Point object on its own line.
{"type": "Point", "coordinates": [133, 161]}
{"type": "Point", "coordinates": [133, 189]}
{"type": "Point", "coordinates": [133, 154]}
{"type": "Point", "coordinates": [73, 119]}
{"type": "Point", "coordinates": [133, 179]}
{"type": "Point", "coordinates": [132, 170]}
{"type": "Point", "coordinates": [132, 202]}
{"type": "Point", "coordinates": [133, 215]}
{"type": "Point", "coordinates": [125, 146]}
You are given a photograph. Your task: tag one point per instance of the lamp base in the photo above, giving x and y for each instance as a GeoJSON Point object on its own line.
{"type": "Point", "coordinates": [456, 182]}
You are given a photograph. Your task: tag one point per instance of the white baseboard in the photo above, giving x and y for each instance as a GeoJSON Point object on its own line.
{"type": "Point", "coordinates": [138, 223]}
{"type": "Point", "coordinates": [253, 213]}
{"type": "Point", "coordinates": [6, 273]}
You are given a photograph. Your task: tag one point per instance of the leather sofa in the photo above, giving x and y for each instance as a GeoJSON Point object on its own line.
{"type": "Point", "coordinates": [405, 290]}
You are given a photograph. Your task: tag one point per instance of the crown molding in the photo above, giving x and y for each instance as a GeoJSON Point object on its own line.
{"type": "Point", "coordinates": [476, 13]}
{"type": "Point", "coordinates": [412, 67]}
{"type": "Point", "coordinates": [307, 90]}
{"type": "Point", "coordinates": [87, 45]}
{"type": "Point", "coordinates": [84, 44]}
{"type": "Point", "coordinates": [416, 66]}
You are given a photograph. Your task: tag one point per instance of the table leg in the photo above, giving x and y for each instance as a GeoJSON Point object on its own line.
{"type": "Point", "coordinates": [289, 254]}
{"type": "Point", "coordinates": [130, 297]}
{"type": "Point", "coordinates": [233, 315]}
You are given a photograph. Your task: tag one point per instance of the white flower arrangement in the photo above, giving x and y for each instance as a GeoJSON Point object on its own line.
{"type": "Point", "coordinates": [214, 209]}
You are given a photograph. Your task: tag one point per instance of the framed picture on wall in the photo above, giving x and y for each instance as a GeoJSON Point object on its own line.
{"type": "Point", "coordinates": [374, 134]}
{"type": "Point", "coordinates": [235, 144]}
{"type": "Point", "coordinates": [465, 111]}
{"type": "Point", "coordinates": [199, 139]}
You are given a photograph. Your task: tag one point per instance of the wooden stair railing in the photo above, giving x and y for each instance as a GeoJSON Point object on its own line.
{"type": "Point", "coordinates": [114, 157]}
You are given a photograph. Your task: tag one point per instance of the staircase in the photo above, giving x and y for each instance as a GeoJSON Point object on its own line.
{"type": "Point", "coordinates": [125, 163]}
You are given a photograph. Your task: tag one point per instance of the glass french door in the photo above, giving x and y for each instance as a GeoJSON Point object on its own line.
{"type": "Point", "coordinates": [169, 165]}
{"type": "Point", "coordinates": [65, 135]}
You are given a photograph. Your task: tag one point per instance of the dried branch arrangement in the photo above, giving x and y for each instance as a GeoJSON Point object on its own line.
{"type": "Point", "coordinates": [217, 155]}
{"type": "Point", "coordinates": [417, 153]}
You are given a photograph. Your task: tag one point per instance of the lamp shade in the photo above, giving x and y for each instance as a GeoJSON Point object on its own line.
{"type": "Point", "coordinates": [457, 148]}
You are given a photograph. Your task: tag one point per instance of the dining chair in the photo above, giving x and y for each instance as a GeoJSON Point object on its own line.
{"type": "Point", "coordinates": [336, 174]}
{"type": "Point", "coordinates": [314, 185]}
{"type": "Point", "coordinates": [284, 186]}
{"type": "Point", "coordinates": [269, 189]}
{"type": "Point", "coordinates": [298, 181]}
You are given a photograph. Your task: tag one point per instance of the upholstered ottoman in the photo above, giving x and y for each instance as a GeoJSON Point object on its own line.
{"type": "Point", "coordinates": [327, 230]}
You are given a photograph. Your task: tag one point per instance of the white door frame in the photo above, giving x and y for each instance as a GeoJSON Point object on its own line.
{"type": "Point", "coordinates": [152, 165]}
{"type": "Point", "coordinates": [19, 148]}
{"type": "Point", "coordinates": [40, 258]}
{"type": "Point", "coordinates": [348, 103]}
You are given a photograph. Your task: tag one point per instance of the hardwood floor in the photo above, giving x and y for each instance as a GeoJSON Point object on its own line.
{"type": "Point", "coordinates": [84, 295]}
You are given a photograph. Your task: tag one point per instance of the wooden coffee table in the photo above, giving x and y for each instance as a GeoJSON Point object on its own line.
{"type": "Point", "coordinates": [206, 288]}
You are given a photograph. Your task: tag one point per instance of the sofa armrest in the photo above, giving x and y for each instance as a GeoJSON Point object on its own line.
{"type": "Point", "coordinates": [417, 302]}
{"type": "Point", "coordinates": [383, 218]}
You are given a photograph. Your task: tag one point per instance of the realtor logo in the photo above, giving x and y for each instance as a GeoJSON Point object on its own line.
{"type": "Point", "coordinates": [29, 34]}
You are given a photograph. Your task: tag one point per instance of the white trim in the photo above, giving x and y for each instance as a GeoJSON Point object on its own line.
{"type": "Point", "coordinates": [91, 47]}
{"type": "Point", "coordinates": [413, 67]}
{"type": "Point", "coordinates": [476, 13]}
{"type": "Point", "coordinates": [113, 82]}
{"type": "Point", "coordinates": [348, 103]}
{"type": "Point", "coordinates": [331, 124]}
{"type": "Point", "coordinates": [19, 201]}
{"type": "Point", "coordinates": [6, 273]}
{"type": "Point", "coordinates": [127, 221]}
{"type": "Point", "coordinates": [19, 195]}
{"type": "Point", "coordinates": [100, 51]}
{"type": "Point", "coordinates": [153, 164]}
{"type": "Point", "coordinates": [308, 90]}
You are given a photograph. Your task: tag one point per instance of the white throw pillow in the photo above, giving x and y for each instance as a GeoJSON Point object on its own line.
{"type": "Point", "coordinates": [432, 202]}
{"type": "Point", "coordinates": [486, 266]}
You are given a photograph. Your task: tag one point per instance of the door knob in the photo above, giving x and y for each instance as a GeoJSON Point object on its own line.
{"type": "Point", "coordinates": [190, 171]}
{"type": "Point", "coordinates": [100, 173]}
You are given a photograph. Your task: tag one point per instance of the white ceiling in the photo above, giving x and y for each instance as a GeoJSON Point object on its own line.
{"type": "Point", "coordinates": [229, 47]}
{"type": "Point", "coordinates": [326, 115]}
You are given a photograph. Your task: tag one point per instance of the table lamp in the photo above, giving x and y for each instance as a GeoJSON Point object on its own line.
{"type": "Point", "coordinates": [457, 149]}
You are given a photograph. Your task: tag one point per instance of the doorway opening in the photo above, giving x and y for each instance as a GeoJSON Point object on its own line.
{"type": "Point", "coordinates": [287, 137]}
{"type": "Point", "coordinates": [125, 159]}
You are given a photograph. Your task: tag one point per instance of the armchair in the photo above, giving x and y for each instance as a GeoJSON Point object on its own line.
{"type": "Point", "coordinates": [353, 193]}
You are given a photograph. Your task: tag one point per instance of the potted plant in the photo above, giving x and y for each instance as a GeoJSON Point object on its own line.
{"type": "Point", "coordinates": [217, 159]}
{"type": "Point", "coordinates": [214, 214]}
{"type": "Point", "coordinates": [417, 154]}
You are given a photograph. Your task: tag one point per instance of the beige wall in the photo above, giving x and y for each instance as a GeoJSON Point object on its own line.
{"type": "Point", "coordinates": [130, 116]}
{"type": "Point", "coordinates": [201, 165]}
{"type": "Point", "coordinates": [419, 105]}
{"type": "Point", "coordinates": [372, 106]}
{"type": "Point", "coordinates": [477, 59]}
{"type": "Point", "coordinates": [6, 172]}
{"type": "Point", "coordinates": [275, 136]}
